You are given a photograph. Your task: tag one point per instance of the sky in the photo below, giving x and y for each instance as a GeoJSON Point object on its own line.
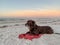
{"type": "Point", "coordinates": [29, 8]}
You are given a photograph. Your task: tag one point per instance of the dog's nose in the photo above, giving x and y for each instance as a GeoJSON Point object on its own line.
{"type": "Point", "coordinates": [26, 24]}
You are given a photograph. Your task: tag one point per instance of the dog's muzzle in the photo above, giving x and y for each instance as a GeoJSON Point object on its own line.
{"type": "Point", "coordinates": [26, 24]}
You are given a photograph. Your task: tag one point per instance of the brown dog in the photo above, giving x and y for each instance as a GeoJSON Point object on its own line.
{"type": "Point", "coordinates": [35, 29]}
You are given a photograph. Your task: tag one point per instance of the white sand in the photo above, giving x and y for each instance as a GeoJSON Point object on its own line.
{"type": "Point", "coordinates": [9, 36]}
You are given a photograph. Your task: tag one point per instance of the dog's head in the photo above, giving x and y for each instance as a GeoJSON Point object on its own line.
{"type": "Point", "coordinates": [30, 23]}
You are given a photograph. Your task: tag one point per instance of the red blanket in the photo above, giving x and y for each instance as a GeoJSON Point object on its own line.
{"type": "Point", "coordinates": [28, 36]}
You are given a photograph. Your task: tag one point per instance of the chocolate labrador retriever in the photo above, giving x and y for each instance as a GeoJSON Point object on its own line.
{"type": "Point", "coordinates": [35, 29]}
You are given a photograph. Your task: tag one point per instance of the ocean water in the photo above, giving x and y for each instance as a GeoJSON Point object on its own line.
{"type": "Point", "coordinates": [53, 21]}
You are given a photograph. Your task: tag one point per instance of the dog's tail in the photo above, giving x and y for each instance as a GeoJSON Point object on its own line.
{"type": "Point", "coordinates": [57, 33]}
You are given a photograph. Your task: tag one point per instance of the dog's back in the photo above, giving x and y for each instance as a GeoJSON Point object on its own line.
{"type": "Point", "coordinates": [45, 29]}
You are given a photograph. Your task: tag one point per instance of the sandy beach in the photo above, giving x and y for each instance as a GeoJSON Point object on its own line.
{"type": "Point", "coordinates": [9, 35]}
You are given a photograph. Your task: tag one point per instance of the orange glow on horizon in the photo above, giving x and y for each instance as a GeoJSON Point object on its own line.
{"type": "Point", "coordinates": [32, 13]}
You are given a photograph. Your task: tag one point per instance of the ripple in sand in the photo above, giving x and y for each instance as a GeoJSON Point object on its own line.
{"type": "Point", "coordinates": [10, 41]}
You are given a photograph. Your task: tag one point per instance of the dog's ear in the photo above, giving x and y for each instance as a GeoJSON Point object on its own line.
{"type": "Point", "coordinates": [33, 22]}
